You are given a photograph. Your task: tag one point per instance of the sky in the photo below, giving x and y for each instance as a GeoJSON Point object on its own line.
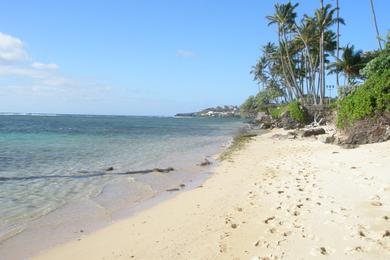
{"type": "Point", "coordinates": [145, 57]}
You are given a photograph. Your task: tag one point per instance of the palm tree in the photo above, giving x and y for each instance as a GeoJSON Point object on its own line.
{"type": "Point", "coordinates": [284, 18]}
{"type": "Point", "coordinates": [375, 24]}
{"type": "Point", "coordinates": [350, 64]}
{"type": "Point", "coordinates": [324, 19]}
{"type": "Point", "coordinates": [338, 42]}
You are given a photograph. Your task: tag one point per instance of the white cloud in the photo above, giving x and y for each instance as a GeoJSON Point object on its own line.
{"type": "Point", "coordinates": [185, 54]}
{"type": "Point", "coordinates": [11, 70]}
{"type": "Point", "coordinates": [44, 66]}
{"type": "Point", "coordinates": [11, 49]}
{"type": "Point", "coordinates": [21, 76]}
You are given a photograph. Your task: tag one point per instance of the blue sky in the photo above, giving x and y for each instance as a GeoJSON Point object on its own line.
{"type": "Point", "coordinates": [144, 57]}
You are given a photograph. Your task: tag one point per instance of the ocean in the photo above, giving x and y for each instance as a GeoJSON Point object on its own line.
{"type": "Point", "coordinates": [53, 168]}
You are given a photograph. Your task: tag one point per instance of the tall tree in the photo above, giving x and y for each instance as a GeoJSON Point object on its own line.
{"type": "Point", "coordinates": [375, 24]}
{"type": "Point", "coordinates": [284, 18]}
{"type": "Point", "coordinates": [325, 19]}
{"type": "Point", "coordinates": [338, 42]}
{"type": "Point", "coordinates": [350, 64]}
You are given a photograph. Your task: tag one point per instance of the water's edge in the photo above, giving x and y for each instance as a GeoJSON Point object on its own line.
{"type": "Point", "coordinates": [51, 233]}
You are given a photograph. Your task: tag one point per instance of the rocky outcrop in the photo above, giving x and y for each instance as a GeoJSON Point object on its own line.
{"type": "Point", "coordinates": [264, 120]}
{"type": "Point", "coordinates": [287, 122]}
{"type": "Point", "coordinates": [369, 130]}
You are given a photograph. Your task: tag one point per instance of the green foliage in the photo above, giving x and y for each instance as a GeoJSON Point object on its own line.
{"type": "Point", "coordinates": [276, 112]}
{"type": "Point", "coordinates": [297, 112]}
{"type": "Point", "coordinates": [260, 102]}
{"type": "Point", "coordinates": [370, 98]}
{"type": "Point", "coordinates": [249, 107]}
{"type": "Point", "coordinates": [378, 65]}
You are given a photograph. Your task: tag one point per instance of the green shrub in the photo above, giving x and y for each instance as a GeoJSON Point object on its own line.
{"type": "Point", "coordinates": [297, 112]}
{"type": "Point", "coordinates": [276, 112]}
{"type": "Point", "coordinates": [378, 65]}
{"type": "Point", "coordinates": [370, 98]}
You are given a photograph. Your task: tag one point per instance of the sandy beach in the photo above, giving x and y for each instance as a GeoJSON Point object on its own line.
{"type": "Point", "coordinates": [274, 199]}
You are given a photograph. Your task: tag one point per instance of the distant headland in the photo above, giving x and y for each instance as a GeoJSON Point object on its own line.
{"type": "Point", "coordinates": [219, 111]}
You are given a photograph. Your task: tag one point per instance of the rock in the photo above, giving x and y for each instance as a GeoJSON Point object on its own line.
{"type": "Point", "coordinates": [369, 130]}
{"type": "Point", "coordinates": [109, 169]}
{"type": "Point", "coordinates": [287, 122]}
{"type": "Point", "coordinates": [313, 132]}
{"type": "Point", "coordinates": [205, 162]}
{"type": "Point", "coordinates": [169, 169]}
{"type": "Point", "coordinates": [264, 120]}
{"type": "Point", "coordinates": [328, 139]}
{"type": "Point", "coordinates": [173, 189]}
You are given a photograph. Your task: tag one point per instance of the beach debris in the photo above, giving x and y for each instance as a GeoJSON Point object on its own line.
{"type": "Point", "coordinates": [205, 162]}
{"type": "Point", "coordinates": [233, 225]}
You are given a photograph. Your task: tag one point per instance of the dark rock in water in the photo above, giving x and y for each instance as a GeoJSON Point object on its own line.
{"type": "Point", "coordinates": [83, 171]}
{"type": "Point", "coordinates": [174, 189]}
{"type": "Point", "coordinates": [109, 169]}
{"type": "Point", "coordinates": [205, 162]}
{"type": "Point", "coordinates": [163, 170]}
{"type": "Point", "coordinates": [314, 131]}
{"type": "Point", "coordinates": [369, 130]}
{"type": "Point", "coordinates": [182, 185]}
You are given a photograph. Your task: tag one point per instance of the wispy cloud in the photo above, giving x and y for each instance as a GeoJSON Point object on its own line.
{"type": "Point", "coordinates": [185, 54]}
{"type": "Point", "coordinates": [44, 66]}
{"type": "Point", "coordinates": [11, 49]}
{"type": "Point", "coordinates": [22, 75]}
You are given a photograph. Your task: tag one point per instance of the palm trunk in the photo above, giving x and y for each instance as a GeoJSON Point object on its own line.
{"type": "Point", "coordinates": [375, 24]}
{"type": "Point", "coordinates": [338, 43]}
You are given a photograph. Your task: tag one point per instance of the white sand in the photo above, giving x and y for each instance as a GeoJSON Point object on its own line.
{"type": "Point", "coordinates": [281, 199]}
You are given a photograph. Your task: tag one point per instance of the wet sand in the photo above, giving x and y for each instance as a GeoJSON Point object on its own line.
{"type": "Point", "coordinates": [274, 199]}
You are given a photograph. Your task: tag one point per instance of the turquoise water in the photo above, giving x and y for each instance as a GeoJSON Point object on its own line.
{"type": "Point", "coordinates": [45, 160]}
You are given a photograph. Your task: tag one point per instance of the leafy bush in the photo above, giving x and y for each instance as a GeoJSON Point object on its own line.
{"type": "Point", "coordinates": [249, 107]}
{"type": "Point", "coordinates": [260, 102]}
{"type": "Point", "coordinates": [378, 65]}
{"type": "Point", "coordinates": [370, 98]}
{"type": "Point", "coordinates": [297, 111]}
{"type": "Point", "coordinates": [276, 112]}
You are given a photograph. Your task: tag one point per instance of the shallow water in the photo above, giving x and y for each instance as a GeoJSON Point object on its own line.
{"type": "Point", "coordinates": [45, 161]}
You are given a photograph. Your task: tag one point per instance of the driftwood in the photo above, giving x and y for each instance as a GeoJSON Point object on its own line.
{"type": "Point", "coordinates": [86, 174]}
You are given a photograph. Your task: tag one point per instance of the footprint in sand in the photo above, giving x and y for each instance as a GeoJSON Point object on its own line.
{"type": "Point", "coordinates": [269, 219]}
